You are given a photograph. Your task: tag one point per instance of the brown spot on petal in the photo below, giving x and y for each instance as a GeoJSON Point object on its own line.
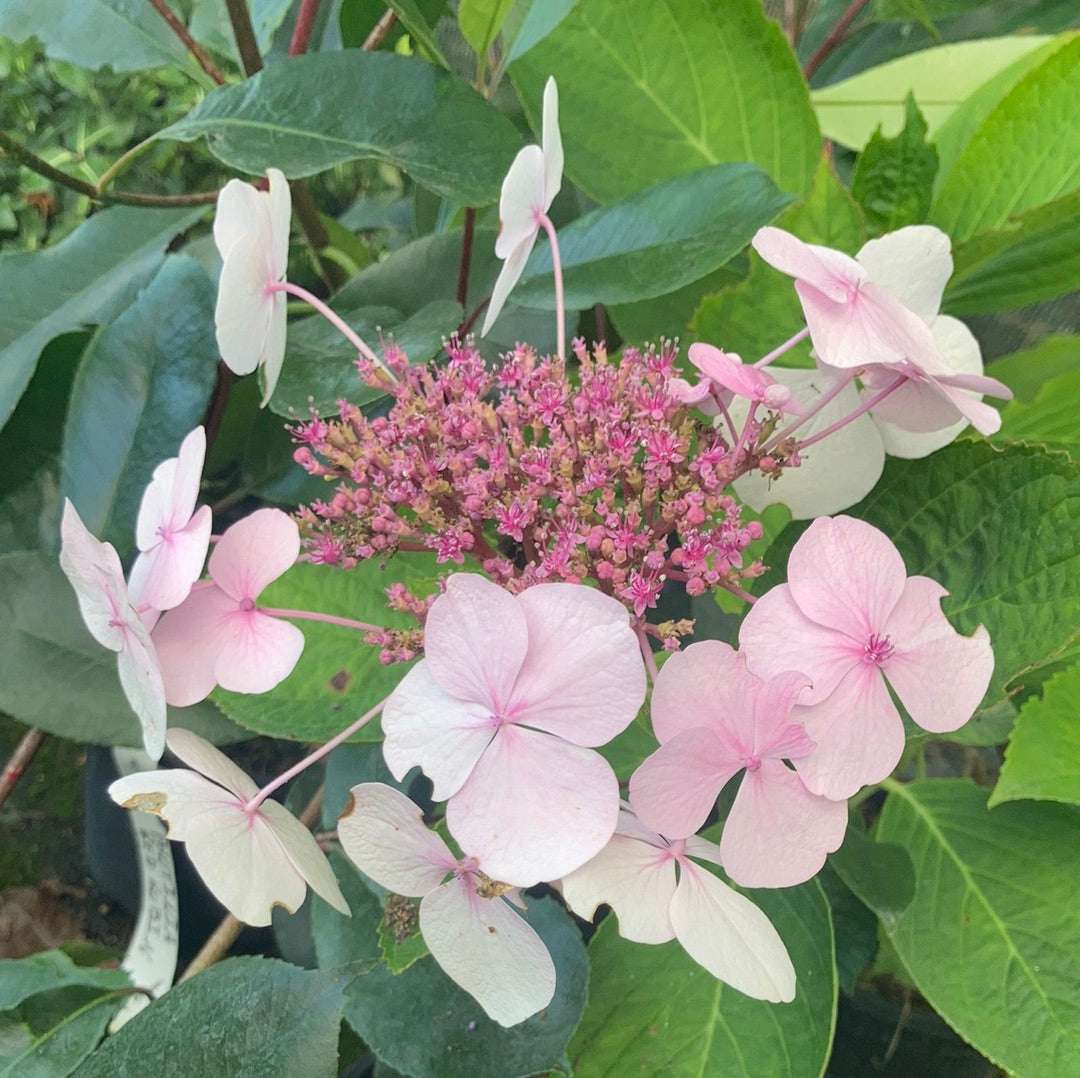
{"type": "Point", "coordinates": [350, 806]}
{"type": "Point", "coordinates": [491, 929]}
{"type": "Point", "coordinates": [486, 887]}
{"type": "Point", "coordinates": [152, 802]}
{"type": "Point", "coordinates": [340, 681]}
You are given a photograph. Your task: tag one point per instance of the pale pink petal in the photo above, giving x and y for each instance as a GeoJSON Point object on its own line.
{"type": "Point", "coordinates": [857, 733]}
{"type": "Point", "coordinates": [187, 640]}
{"type": "Point", "coordinates": [522, 198]}
{"type": "Point", "coordinates": [939, 675]}
{"type": "Point", "coordinates": [488, 950]}
{"type": "Point", "coordinates": [162, 575]}
{"type": "Point", "coordinates": [535, 807]}
{"type": "Point", "coordinates": [728, 370]}
{"type": "Point", "coordinates": [703, 850]}
{"type": "Point", "coordinates": [509, 275]}
{"type": "Point", "coordinates": [847, 575]}
{"type": "Point", "coordinates": [685, 393]}
{"type": "Point", "coordinates": [274, 349]}
{"type": "Point", "coordinates": [256, 652]}
{"type": "Point", "coordinates": [551, 140]}
{"type": "Point", "coordinates": [918, 406]}
{"type": "Point", "coordinates": [241, 211]}
{"type": "Point", "coordinates": [774, 734]}
{"type": "Point", "coordinates": [303, 852]}
{"type": "Point", "coordinates": [728, 935]}
{"type": "Point", "coordinates": [169, 500]}
{"type": "Point", "coordinates": [94, 571]}
{"type": "Point", "coordinates": [675, 788]}
{"type": "Point", "coordinates": [636, 879]}
{"type": "Point", "coordinates": [255, 551]}
{"type": "Point", "coordinates": [778, 833]}
{"type": "Point", "coordinates": [428, 728]}
{"type": "Point", "coordinates": [141, 680]}
{"type": "Point", "coordinates": [583, 677]}
{"type": "Point", "coordinates": [383, 833]}
{"type": "Point", "coordinates": [279, 212]}
{"type": "Point", "coordinates": [245, 309]}
{"type": "Point", "coordinates": [831, 273]}
{"type": "Point", "coordinates": [775, 635]}
{"type": "Point", "coordinates": [913, 265]}
{"type": "Point", "coordinates": [985, 419]}
{"type": "Point", "coordinates": [207, 760]}
{"type": "Point", "coordinates": [475, 640]}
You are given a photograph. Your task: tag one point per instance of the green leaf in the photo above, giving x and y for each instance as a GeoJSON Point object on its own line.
{"type": "Point", "coordinates": [939, 78]}
{"type": "Point", "coordinates": [855, 927]}
{"type": "Point", "coordinates": [59, 1050]}
{"type": "Point", "coordinates": [413, 19]}
{"type": "Point", "coordinates": [1050, 419]}
{"type": "Point", "coordinates": [894, 177]}
{"type": "Point", "coordinates": [1043, 758]}
{"type": "Point", "coordinates": [338, 676]}
{"type": "Point", "coordinates": [627, 750]}
{"type": "Point", "coordinates": [308, 113]}
{"type": "Point", "coordinates": [321, 365]}
{"type": "Point", "coordinates": [655, 241]}
{"type": "Point", "coordinates": [1000, 529]}
{"type": "Point", "coordinates": [654, 1010]}
{"type": "Point", "coordinates": [245, 1017]}
{"type": "Point", "coordinates": [346, 766]}
{"type": "Point", "coordinates": [126, 35]}
{"type": "Point", "coordinates": [1005, 168]}
{"type": "Point", "coordinates": [55, 676]}
{"type": "Point", "coordinates": [90, 276]}
{"type": "Point", "coordinates": [210, 24]}
{"type": "Point", "coordinates": [419, 1022]}
{"type": "Point", "coordinates": [400, 942]}
{"type": "Point", "coordinates": [143, 383]}
{"type": "Point", "coordinates": [481, 20]}
{"type": "Point", "coordinates": [992, 936]}
{"type": "Point", "coordinates": [21, 978]}
{"type": "Point", "coordinates": [1026, 372]}
{"type": "Point", "coordinates": [650, 89]}
{"type": "Point", "coordinates": [879, 874]}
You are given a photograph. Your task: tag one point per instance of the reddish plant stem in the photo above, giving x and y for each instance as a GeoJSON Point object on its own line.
{"type": "Point", "coordinates": [834, 37]}
{"type": "Point", "coordinates": [219, 399]}
{"type": "Point", "coordinates": [473, 316]}
{"type": "Point", "coordinates": [647, 652]}
{"type": "Point", "coordinates": [871, 402]}
{"type": "Point", "coordinates": [380, 30]}
{"type": "Point", "coordinates": [19, 762]}
{"type": "Point", "coordinates": [312, 615]}
{"type": "Point", "coordinates": [305, 23]}
{"type": "Point", "coordinates": [201, 56]}
{"type": "Point", "coordinates": [466, 256]}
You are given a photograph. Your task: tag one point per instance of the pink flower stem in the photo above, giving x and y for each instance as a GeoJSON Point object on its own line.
{"type": "Point", "coordinates": [745, 430]}
{"type": "Point", "coordinates": [312, 615]}
{"type": "Point", "coordinates": [333, 318]}
{"type": "Point", "coordinates": [873, 402]}
{"type": "Point", "coordinates": [647, 653]}
{"type": "Point", "coordinates": [312, 758]}
{"type": "Point", "coordinates": [826, 398]}
{"type": "Point", "coordinates": [780, 349]}
{"type": "Point", "coordinates": [544, 222]}
{"type": "Point", "coordinates": [727, 416]}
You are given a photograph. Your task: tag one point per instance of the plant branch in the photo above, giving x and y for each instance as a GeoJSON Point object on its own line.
{"type": "Point", "coordinates": [834, 37]}
{"type": "Point", "coordinates": [244, 33]}
{"type": "Point", "coordinates": [305, 23]}
{"type": "Point", "coordinates": [380, 30]}
{"type": "Point", "coordinates": [202, 58]}
{"type": "Point", "coordinates": [466, 256]}
{"type": "Point", "coordinates": [19, 762]}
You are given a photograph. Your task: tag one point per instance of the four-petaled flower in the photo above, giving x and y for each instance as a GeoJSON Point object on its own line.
{"type": "Point", "coordinates": [713, 718]}
{"type": "Point", "coordinates": [466, 918]}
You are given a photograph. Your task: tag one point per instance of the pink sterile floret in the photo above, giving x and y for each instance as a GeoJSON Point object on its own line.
{"type": "Point", "coordinates": [714, 718]}
{"type": "Point", "coordinates": [503, 712]}
{"type": "Point", "coordinates": [729, 372]}
{"type": "Point", "coordinates": [851, 619]}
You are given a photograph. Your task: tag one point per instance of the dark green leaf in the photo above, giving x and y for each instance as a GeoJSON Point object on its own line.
{"type": "Point", "coordinates": [855, 927]}
{"type": "Point", "coordinates": [878, 873]}
{"type": "Point", "coordinates": [25, 977]}
{"type": "Point", "coordinates": [414, 20]}
{"type": "Point", "coordinates": [59, 1050]}
{"type": "Point", "coordinates": [308, 113]}
{"type": "Point", "coordinates": [346, 766]}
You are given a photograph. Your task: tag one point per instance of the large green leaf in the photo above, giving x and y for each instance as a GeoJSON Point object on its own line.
{"type": "Point", "coordinates": [653, 1010]}
{"type": "Point", "coordinates": [1050, 419]}
{"type": "Point", "coordinates": [45, 972]}
{"type": "Point", "coordinates": [245, 1018]}
{"type": "Point", "coordinates": [481, 20]}
{"type": "Point", "coordinates": [940, 79]}
{"type": "Point", "coordinates": [879, 874]}
{"type": "Point", "coordinates": [650, 89]}
{"type": "Point", "coordinates": [1043, 758]}
{"type": "Point", "coordinates": [59, 1049]}
{"type": "Point", "coordinates": [1000, 528]}
{"type": "Point", "coordinates": [655, 241]}
{"type": "Point", "coordinates": [338, 676]}
{"type": "Point", "coordinates": [420, 1023]}
{"type": "Point", "coordinates": [992, 936]}
{"type": "Point", "coordinates": [308, 113]}
{"type": "Point", "coordinates": [126, 35]}
{"type": "Point", "coordinates": [143, 383]}
{"type": "Point", "coordinates": [1027, 371]}
{"type": "Point", "coordinates": [90, 276]}
{"type": "Point", "coordinates": [1026, 152]}
{"type": "Point", "coordinates": [55, 676]}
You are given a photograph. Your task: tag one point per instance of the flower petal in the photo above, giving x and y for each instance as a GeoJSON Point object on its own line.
{"type": "Point", "coordinates": [551, 141]}
{"type": "Point", "coordinates": [521, 200]}
{"type": "Point", "coordinates": [857, 733]}
{"type": "Point", "coordinates": [583, 677]}
{"type": "Point", "coordinates": [775, 734]}
{"type": "Point", "coordinates": [140, 678]}
{"type": "Point", "coordinates": [847, 575]}
{"type": "Point", "coordinates": [211, 762]}
{"type": "Point", "coordinates": [241, 212]}
{"type": "Point", "coordinates": [913, 265]}
{"type": "Point", "coordinates": [169, 499]}
{"type": "Point", "coordinates": [187, 640]}
{"type": "Point", "coordinates": [704, 685]}
{"type": "Point", "coordinates": [489, 950]}
{"type": "Point", "coordinates": [728, 935]}
{"type": "Point", "coordinates": [279, 214]}
{"type": "Point", "coordinates": [778, 833]}
{"type": "Point", "coordinates": [535, 807]}
{"type": "Point", "coordinates": [428, 728]}
{"type": "Point", "coordinates": [244, 310]}
{"type": "Point", "coordinates": [162, 576]}
{"type": "Point", "coordinates": [303, 852]}
{"type": "Point", "coordinates": [383, 833]}
{"type": "Point", "coordinates": [274, 349]}
{"type": "Point", "coordinates": [636, 879]}
{"type": "Point", "coordinates": [829, 272]}
{"type": "Point", "coordinates": [940, 675]}
{"type": "Point", "coordinates": [255, 551]}
{"type": "Point", "coordinates": [675, 788]}
{"type": "Point", "coordinates": [256, 652]}
{"type": "Point", "coordinates": [93, 569]}
{"type": "Point", "coordinates": [475, 640]}
{"type": "Point", "coordinates": [511, 271]}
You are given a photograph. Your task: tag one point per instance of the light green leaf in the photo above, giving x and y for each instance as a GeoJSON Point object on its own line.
{"type": "Point", "coordinates": [1051, 419]}
{"type": "Point", "coordinates": [655, 241]}
{"type": "Point", "coordinates": [245, 1017]}
{"type": "Point", "coordinates": [939, 78]}
{"type": "Point", "coordinates": [308, 113]}
{"type": "Point", "coordinates": [338, 676]}
{"type": "Point", "coordinates": [1026, 372]}
{"type": "Point", "coordinates": [992, 936]}
{"type": "Point", "coordinates": [653, 1010]}
{"type": "Point", "coordinates": [126, 35]}
{"type": "Point", "coordinates": [1042, 761]}
{"type": "Point", "coordinates": [21, 978]}
{"type": "Point", "coordinates": [59, 1050]}
{"type": "Point", "coordinates": [143, 383]}
{"type": "Point", "coordinates": [55, 676]}
{"type": "Point", "coordinates": [1026, 152]}
{"type": "Point", "coordinates": [90, 276]}
{"type": "Point", "coordinates": [481, 20]}
{"type": "Point", "coordinates": [650, 89]}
